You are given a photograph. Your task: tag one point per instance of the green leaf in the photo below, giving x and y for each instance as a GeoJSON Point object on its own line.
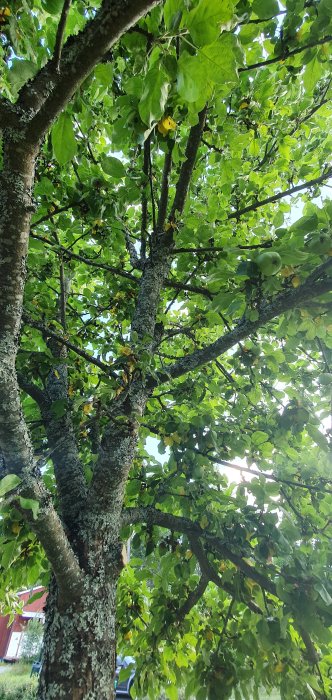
{"type": "Point", "coordinates": [10, 551]}
{"type": "Point", "coordinates": [172, 692]}
{"type": "Point", "coordinates": [63, 139]}
{"type": "Point", "coordinates": [191, 79]}
{"type": "Point", "coordinates": [20, 72]}
{"type": "Point", "coordinates": [204, 21]}
{"type": "Point", "coordinates": [221, 58]}
{"type": "Point", "coordinates": [306, 224]}
{"type": "Point", "coordinates": [258, 437]}
{"type": "Point", "coordinates": [313, 72]}
{"type": "Point", "coordinates": [36, 596]}
{"type": "Point", "coordinates": [133, 487]}
{"type": "Point", "coordinates": [30, 504]}
{"type": "Point", "coordinates": [152, 103]}
{"type": "Point", "coordinates": [324, 594]}
{"type": "Point", "coordinates": [113, 166]}
{"type": "Point", "coordinates": [104, 74]}
{"type": "Point", "coordinates": [35, 244]}
{"type": "Point", "coordinates": [172, 14]}
{"type": "Point", "coordinates": [8, 483]}
{"type": "Point", "coordinates": [265, 8]}
{"type": "Point", "coordinates": [318, 437]}
{"type": "Point", "coordinates": [53, 7]}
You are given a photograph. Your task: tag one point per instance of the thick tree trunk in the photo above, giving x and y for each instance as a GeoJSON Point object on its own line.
{"type": "Point", "coordinates": [16, 183]}
{"type": "Point", "coordinates": [79, 650]}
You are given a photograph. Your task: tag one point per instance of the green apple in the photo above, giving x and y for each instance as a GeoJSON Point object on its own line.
{"type": "Point", "coordinates": [320, 243]}
{"type": "Point", "coordinates": [269, 263]}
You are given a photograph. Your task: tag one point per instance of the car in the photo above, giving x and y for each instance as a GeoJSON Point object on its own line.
{"type": "Point", "coordinates": [123, 687]}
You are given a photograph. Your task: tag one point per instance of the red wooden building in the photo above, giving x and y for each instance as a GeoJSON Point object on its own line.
{"type": "Point", "coordinates": [11, 637]}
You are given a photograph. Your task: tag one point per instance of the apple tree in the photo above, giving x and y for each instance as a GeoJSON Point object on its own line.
{"type": "Point", "coordinates": [166, 341]}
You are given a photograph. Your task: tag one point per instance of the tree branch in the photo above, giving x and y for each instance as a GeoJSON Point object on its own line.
{"type": "Point", "coordinates": [185, 287]}
{"type": "Point", "coordinates": [187, 167]}
{"type": "Point", "coordinates": [68, 468]}
{"type": "Point", "coordinates": [60, 34]}
{"type": "Point", "coordinates": [284, 301]}
{"type": "Point", "coordinates": [312, 655]}
{"type": "Point", "coordinates": [287, 54]}
{"type": "Point", "coordinates": [50, 90]}
{"type": "Point", "coordinates": [163, 201]}
{"type": "Point", "coordinates": [193, 598]}
{"type": "Point", "coordinates": [265, 475]}
{"type": "Point", "coordinates": [210, 573]}
{"type": "Point", "coordinates": [272, 147]}
{"type": "Point", "coordinates": [210, 249]}
{"type": "Point", "coordinates": [280, 195]}
{"type": "Point", "coordinates": [48, 527]}
{"type": "Point", "coordinates": [158, 266]}
{"type": "Point", "coordinates": [59, 249]}
{"type": "Point", "coordinates": [31, 389]}
{"type": "Point", "coordinates": [57, 210]}
{"type": "Point", "coordinates": [119, 271]}
{"type": "Point", "coordinates": [59, 552]}
{"type": "Point", "coordinates": [153, 516]}
{"type": "Point", "coordinates": [144, 205]}
{"type": "Point", "coordinates": [212, 147]}
{"type": "Point", "coordinates": [63, 341]}
{"type": "Point", "coordinates": [64, 290]}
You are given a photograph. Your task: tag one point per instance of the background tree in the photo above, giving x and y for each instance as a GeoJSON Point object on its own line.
{"type": "Point", "coordinates": [167, 170]}
{"type": "Point", "coordinates": [31, 646]}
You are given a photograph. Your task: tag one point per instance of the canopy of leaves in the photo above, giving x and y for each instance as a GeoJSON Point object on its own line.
{"type": "Point", "coordinates": [261, 73]}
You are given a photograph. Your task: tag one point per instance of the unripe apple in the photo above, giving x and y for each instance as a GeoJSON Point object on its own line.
{"type": "Point", "coordinates": [269, 263]}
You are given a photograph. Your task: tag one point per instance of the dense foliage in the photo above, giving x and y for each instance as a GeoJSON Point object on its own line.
{"type": "Point", "coordinates": [209, 123]}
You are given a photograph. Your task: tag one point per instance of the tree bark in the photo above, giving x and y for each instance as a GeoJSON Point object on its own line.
{"type": "Point", "coordinates": [79, 651]}
{"type": "Point", "coordinates": [16, 184]}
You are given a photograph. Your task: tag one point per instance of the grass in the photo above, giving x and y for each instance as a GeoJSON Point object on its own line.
{"type": "Point", "coordinates": [16, 683]}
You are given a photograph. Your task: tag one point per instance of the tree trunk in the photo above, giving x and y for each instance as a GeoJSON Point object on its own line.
{"type": "Point", "coordinates": [79, 651]}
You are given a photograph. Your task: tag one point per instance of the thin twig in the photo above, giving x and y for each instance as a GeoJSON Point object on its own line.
{"type": "Point", "coordinates": [228, 615]}
{"type": "Point", "coordinates": [280, 195]}
{"type": "Point", "coordinates": [60, 34]}
{"type": "Point", "coordinates": [265, 475]}
{"type": "Point", "coordinates": [63, 341]}
{"type": "Point", "coordinates": [287, 54]}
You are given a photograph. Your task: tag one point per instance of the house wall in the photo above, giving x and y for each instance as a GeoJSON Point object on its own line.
{"type": "Point", "coordinates": [11, 637]}
{"type": "Point", "coordinates": [4, 635]}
